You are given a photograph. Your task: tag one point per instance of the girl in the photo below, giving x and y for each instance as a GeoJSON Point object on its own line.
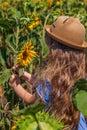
{"type": "Point", "coordinates": [66, 64]}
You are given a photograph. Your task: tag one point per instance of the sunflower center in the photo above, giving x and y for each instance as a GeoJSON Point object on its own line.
{"type": "Point", "coordinates": [25, 55]}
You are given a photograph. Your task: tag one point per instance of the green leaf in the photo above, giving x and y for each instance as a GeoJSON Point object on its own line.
{"type": "Point", "coordinates": [32, 126]}
{"type": "Point", "coordinates": [21, 70]}
{"type": "Point", "coordinates": [10, 40]}
{"type": "Point", "coordinates": [3, 56]}
{"type": "Point", "coordinates": [2, 60]}
{"type": "Point", "coordinates": [44, 47]}
{"type": "Point", "coordinates": [81, 99]}
{"type": "Point", "coordinates": [1, 123]}
{"type": "Point", "coordinates": [16, 13]}
{"type": "Point", "coordinates": [5, 75]}
{"type": "Point", "coordinates": [79, 96]}
{"type": "Point", "coordinates": [45, 126]}
{"type": "Point", "coordinates": [32, 109]}
{"type": "Point", "coordinates": [7, 23]}
{"type": "Point", "coordinates": [45, 122]}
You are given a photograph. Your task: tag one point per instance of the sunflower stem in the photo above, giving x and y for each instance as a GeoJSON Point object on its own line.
{"type": "Point", "coordinates": [17, 35]}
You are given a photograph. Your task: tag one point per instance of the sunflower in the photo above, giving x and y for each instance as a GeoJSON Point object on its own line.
{"type": "Point", "coordinates": [26, 54]}
{"type": "Point", "coordinates": [49, 3]}
{"type": "Point", "coordinates": [35, 23]}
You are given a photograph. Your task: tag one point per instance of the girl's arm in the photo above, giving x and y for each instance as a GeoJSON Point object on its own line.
{"type": "Point", "coordinates": [14, 82]}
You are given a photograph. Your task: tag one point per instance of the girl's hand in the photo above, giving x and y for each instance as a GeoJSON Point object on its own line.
{"type": "Point", "coordinates": [14, 80]}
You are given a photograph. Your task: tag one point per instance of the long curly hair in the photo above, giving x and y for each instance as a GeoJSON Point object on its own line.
{"type": "Point", "coordinates": [65, 66]}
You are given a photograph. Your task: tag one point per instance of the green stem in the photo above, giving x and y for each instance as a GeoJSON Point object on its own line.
{"type": "Point", "coordinates": [39, 128]}
{"type": "Point", "coordinates": [45, 25]}
{"type": "Point", "coordinates": [11, 48]}
{"type": "Point", "coordinates": [17, 35]}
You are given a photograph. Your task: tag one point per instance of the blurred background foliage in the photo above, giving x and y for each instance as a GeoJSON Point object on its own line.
{"type": "Point", "coordinates": [22, 21]}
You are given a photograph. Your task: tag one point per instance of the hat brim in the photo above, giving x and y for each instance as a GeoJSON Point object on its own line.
{"type": "Point", "coordinates": [64, 41]}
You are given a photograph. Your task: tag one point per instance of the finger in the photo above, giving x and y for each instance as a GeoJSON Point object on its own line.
{"type": "Point", "coordinates": [13, 77]}
{"type": "Point", "coordinates": [15, 68]}
{"type": "Point", "coordinates": [27, 75]}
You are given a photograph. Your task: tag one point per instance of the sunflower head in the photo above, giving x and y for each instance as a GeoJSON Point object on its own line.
{"type": "Point", "coordinates": [26, 54]}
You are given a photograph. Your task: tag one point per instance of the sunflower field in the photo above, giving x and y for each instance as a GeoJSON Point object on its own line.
{"type": "Point", "coordinates": [22, 43]}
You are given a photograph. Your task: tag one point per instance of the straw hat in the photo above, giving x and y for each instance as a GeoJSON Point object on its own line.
{"type": "Point", "coordinates": [68, 31]}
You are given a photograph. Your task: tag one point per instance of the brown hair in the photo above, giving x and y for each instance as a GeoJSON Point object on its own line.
{"type": "Point", "coordinates": [65, 66]}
